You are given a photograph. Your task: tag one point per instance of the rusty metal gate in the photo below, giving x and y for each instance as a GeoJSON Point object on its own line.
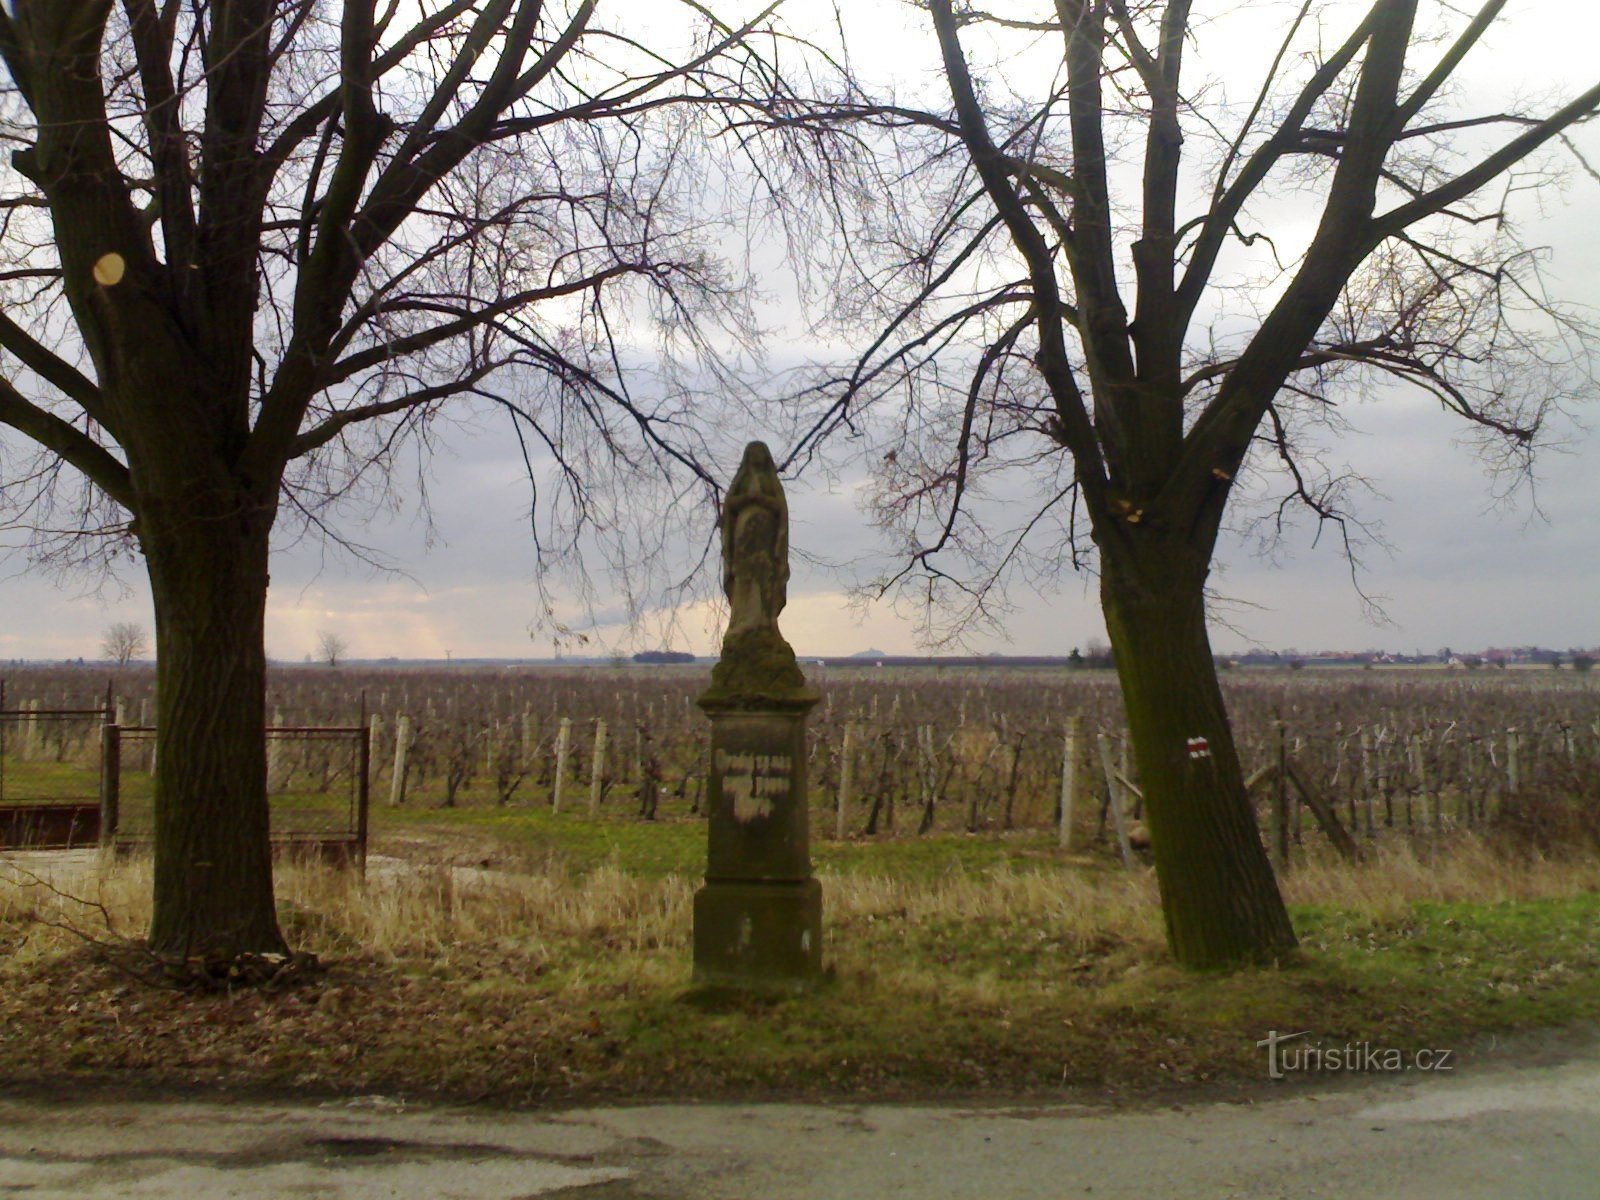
{"type": "Point", "coordinates": [72, 777]}
{"type": "Point", "coordinates": [318, 779]}
{"type": "Point", "coordinates": [52, 774]}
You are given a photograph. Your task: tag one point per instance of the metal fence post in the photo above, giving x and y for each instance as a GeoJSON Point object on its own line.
{"type": "Point", "coordinates": [363, 793]}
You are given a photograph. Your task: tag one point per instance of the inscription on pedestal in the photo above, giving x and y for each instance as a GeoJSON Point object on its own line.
{"type": "Point", "coordinates": [758, 826]}
{"type": "Point", "coordinates": [753, 783]}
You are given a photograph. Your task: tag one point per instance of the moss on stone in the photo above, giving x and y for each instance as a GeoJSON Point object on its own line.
{"type": "Point", "coordinates": [757, 669]}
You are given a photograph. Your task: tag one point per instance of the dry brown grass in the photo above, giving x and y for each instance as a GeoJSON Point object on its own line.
{"type": "Point", "coordinates": [442, 912]}
{"type": "Point", "coordinates": [45, 909]}
{"type": "Point", "coordinates": [1468, 870]}
{"type": "Point", "coordinates": [1084, 907]}
{"type": "Point", "coordinates": [543, 983]}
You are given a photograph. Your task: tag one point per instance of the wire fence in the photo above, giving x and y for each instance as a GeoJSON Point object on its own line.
{"type": "Point", "coordinates": [50, 774]}
{"type": "Point", "coordinates": [317, 787]}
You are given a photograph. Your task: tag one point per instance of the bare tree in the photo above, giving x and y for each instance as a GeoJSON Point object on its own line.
{"type": "Point", "coordinates": [1334, 231]}
{"type": "Point", "coordinates": [124, 642]}
{"type": "Point", "coordinates": [252, 245]}
{"type": "Point", "coordinates": [331, 648]}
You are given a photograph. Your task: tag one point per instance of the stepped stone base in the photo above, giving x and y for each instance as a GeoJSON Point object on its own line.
{"type": "Point", "coordinates": [763, 934]}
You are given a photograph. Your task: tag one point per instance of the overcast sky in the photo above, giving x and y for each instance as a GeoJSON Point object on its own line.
{"type": "Point", "coordinates": [1464, 571]}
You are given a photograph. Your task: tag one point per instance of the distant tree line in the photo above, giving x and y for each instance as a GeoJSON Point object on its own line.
{"type": "Point", "coordinates": [663, 656]}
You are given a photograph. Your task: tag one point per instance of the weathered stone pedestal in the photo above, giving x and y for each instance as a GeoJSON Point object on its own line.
{"type": "Point", "coordinates": [758, 919]}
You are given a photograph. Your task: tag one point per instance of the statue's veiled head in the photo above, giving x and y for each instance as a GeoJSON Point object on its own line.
{"type": "Point", "coordinates": [757, 458]}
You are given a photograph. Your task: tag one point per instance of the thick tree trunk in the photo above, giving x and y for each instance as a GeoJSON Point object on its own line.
{"type": "Point", "coordinates": [1218, 893]}
{"type": "Point", "coordinates": [213, 863]}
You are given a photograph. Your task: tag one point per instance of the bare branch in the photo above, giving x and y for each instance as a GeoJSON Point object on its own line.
{"type": "Point", "coordinates": [66, 440]}
{"type": "Point", "coordinates": [1228, 201]}
{"type": "Point", "coordinates": [52, 369]}
{"type": "Point", "coordinates": [1463, 185]}
{"type": "Point", "coordinates": [1049, 308]}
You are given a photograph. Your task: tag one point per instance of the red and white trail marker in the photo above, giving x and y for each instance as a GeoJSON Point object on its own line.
{"type": "Point", "coordinates": [1199, 748]}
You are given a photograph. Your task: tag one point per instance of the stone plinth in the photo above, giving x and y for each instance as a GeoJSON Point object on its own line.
{"type": "Point", "coordinates": [758, 919]}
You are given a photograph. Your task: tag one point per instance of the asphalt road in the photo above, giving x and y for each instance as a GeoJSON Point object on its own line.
{"type": "Point", "coordinates": [1504, 1132]}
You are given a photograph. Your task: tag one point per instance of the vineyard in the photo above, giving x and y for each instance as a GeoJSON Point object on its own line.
{"type": "Point", "coordinates": [1347, 755]}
